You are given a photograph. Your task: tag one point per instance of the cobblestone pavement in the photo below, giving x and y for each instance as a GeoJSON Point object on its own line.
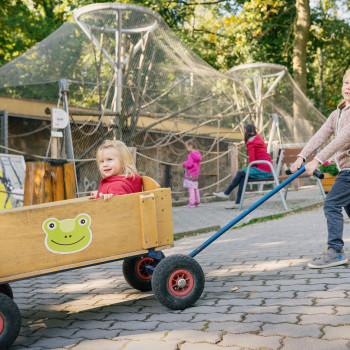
{"type": "Point", "coordinates": [259, 294]}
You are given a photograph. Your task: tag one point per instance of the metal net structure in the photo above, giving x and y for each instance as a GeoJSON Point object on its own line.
{"type": "Point", "coordinates": [120, 72]}
{"type": "Point", "coordinates": [280, 109]}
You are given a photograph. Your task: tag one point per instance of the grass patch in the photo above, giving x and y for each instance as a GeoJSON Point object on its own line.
{"type": "Point", "coordinates": [178, 236]}
{"type": "Point", "coordinates": [250, 222]}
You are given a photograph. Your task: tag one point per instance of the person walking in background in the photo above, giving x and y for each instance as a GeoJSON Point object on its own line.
{"type": "Point", "coordinates": [257, 150]}
{"type": "Point", "coordinates": [337, 124]}
{"type": "Point", "coordinates": [192, 167]}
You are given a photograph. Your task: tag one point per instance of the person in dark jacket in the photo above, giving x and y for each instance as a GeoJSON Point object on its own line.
{"type": "Point", "coordinates": [257, 150]}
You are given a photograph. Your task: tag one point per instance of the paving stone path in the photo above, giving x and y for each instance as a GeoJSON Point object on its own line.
{"type": "Point", "coordinates": [259, 294]}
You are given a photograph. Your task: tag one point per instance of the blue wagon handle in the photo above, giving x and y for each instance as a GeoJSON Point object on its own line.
{"type": "Point", "coordinates": [316, 173]}
{"type": "Point", "coordinates": [178, 280]}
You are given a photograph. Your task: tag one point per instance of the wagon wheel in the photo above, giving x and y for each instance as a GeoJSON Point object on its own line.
{"type": "Point", "coordinates": [178, 282]}
{"type": "Point", "coordinates": [134, 271]}
{"type": "Point", "coordinates": [6, 289]}
{"type": "Point", "coordinates": [10, 321]}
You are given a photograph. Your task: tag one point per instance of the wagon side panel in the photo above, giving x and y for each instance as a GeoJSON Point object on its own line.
{"type": "Point", "coordinates": [24, 248]}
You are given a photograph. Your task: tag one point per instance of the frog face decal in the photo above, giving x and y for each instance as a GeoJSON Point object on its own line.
{"type": "Point", "coordinates": [69, 235]}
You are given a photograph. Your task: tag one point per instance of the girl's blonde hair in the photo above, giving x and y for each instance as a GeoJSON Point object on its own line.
{"type": "Point", "coordinates": [123, 154]}
{"type": "Point", "coordinates": [347, 73]}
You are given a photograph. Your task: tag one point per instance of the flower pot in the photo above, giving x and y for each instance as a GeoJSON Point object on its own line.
{"type": "Point", "coordinates": [328, 181]}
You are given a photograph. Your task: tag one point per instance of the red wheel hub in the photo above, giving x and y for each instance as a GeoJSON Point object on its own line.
{"type": "Point", "coordinates": [141, 268]}
{"type": "Point", "coordinates": [181, 283]}
{"type": "Point", "coordinates": [1, 324]}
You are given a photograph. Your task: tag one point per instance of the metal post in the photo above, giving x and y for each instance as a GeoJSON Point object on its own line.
{"type": "Point", "coordinates": [159, 159]}
{"type": "Point", "coordinates": [245, 213]}
{"type": "Point", "coordinates": [273, 130]}
{"type": "Point", "coordinates": [218, 159]}
{"type": "Point", "coordinates": [4, 130]}
{"type": "Point", "coordinates": [64, 90]}
{"type": "Point", "coordinates": [118, 76]}
{"type": "Point", "coordinates": [233, 167]}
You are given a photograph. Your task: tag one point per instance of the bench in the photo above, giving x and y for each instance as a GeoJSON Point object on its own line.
{"type": "Point", "coordinates": [268, 181]}
{"type": "Point", "coordinates": [285, 157]}
{"type": "Point", "coordinates": [290, 155]}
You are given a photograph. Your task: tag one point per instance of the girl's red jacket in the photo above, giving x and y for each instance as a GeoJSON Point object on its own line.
{"type": "Point", "coordinates": [257, 150]}
{"type": "Point", "coordinates": [118, 185]}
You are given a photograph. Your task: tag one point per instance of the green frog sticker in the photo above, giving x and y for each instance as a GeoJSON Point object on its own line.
{"type": "Point", "coordinates": [69, 235]}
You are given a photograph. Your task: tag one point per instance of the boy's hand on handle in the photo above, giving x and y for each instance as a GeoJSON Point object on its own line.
{"type": "Point", "coordinates": [310, 167]}
{"type": "Point", "coordinates": [297, 164]}
{"type": "Point", "coordinates": [93, 195]}
{"type": "Point", "coordinates": [315, 172]}
{"type": "Point", "coordinates": [106, 196]}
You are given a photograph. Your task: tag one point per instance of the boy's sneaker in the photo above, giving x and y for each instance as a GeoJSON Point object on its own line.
{"type": "Point", "coordinates": [221, 195]}
{"type": "Point", "coordinates": [197, 204]}
{"type": "Point", "coordinates": [328, 259]}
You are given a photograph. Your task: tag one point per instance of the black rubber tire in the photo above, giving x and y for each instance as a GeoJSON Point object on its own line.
{"type": "Point", "coordinates": [167, 292]}
{"type": "Point", "coordinates": [6, 289]}
{"type": "Point", "coordinates": [10, 321]}
{"type": "Point", "coordinates": [134, 273]}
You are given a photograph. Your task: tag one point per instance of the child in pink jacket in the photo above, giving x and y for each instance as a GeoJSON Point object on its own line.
{"type": "Point", "coordinates": [192, 165]}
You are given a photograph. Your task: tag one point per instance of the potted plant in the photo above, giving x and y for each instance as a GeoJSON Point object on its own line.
{"type": "Point", "coordinates": [330, 171]}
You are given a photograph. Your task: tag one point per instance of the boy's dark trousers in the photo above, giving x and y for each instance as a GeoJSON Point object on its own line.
{"type": "Point", "coordinates": [337, 198]}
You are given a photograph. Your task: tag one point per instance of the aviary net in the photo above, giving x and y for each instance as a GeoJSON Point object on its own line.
{"type": "Point", "coordinates": [120, 72]}
{"type": "Point", "coordinates": [272, 96]}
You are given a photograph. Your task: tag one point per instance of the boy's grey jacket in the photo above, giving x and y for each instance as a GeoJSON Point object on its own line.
{"type": "Point", "coordinates": [338, 123]}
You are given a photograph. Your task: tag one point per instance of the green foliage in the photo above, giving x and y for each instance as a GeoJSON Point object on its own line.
{"type": "Point", "coordinates": [327, 50]}
{"type": "Point", "coordinates": [23, 23]}
{"type": "Point", "coordinates": [225, 33]}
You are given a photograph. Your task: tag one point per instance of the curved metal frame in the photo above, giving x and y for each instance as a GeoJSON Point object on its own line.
{"type": "Point", "coordinates": [119, 62]}
{"type": "Point", "coordinates": [274, 181]}
{"type": "Point", "coordinates": [96, 7]}
{"type": "Point", "coordinates": [257, 65]}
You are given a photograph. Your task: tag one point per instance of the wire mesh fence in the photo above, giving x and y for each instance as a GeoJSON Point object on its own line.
{"type": "Point", "coordinates": [120, 72]}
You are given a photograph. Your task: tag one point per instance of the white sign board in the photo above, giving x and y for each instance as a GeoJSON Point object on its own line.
{"type": "Point", "coordinates": [59, 118]}
{"type": "Point", "coordinates": [56, 133]}
{"type": "Point", "coordinates": [12, 175]}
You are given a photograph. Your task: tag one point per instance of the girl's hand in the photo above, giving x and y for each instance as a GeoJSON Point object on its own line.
{"type": "Point", "coordinates": [297, 164]}
{"type": "Point", "coordinates": [93, 195]}
{"type": "Point", "coordinates": [311, 166]}
{"type": "Point", "coordinates": [106, 196]}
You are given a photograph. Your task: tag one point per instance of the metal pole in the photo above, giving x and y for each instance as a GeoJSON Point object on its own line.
{"type": "Point", "coordinates": [272, 133]}
{"type": "Point", "coordinates": [118, 76]}
{"type": "Point", "coordinates": [4, 130]}
{"type": "Point", "coordinates": [64, 90]}
{"type": "Point", "coordinates": [246, 212]}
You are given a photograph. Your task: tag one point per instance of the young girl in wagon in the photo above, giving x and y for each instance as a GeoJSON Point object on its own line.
{"type": "Point", "coordinates": [117, 169]}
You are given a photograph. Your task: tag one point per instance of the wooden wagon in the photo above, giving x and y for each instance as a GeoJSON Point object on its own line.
{"type": "Point", "coordinates": [52, 237]}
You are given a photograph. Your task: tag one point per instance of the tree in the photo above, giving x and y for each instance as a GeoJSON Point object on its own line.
{"type": "Point", "coordinates": [328, 57]}
{"type": "Point", "coordinates": [224, 33]}
{"type": "Point", "coordinates": [301, 36]}
{"type": "Point", "coordinates": [23, 23]}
